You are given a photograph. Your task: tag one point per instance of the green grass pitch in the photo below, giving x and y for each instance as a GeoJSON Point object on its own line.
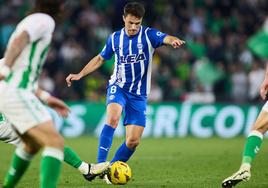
{"type": "Point", "coordinates": [164, 162]}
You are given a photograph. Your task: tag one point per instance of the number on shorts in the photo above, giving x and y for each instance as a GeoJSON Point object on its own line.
{"type": "Point", "coordinates": [113, 89]}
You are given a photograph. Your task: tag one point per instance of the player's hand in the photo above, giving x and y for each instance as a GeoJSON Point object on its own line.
{"type": "Point", "coordinates": [72, 77]}
{"type": "Point", "coordinates": [264, 88]}
{"type": "Point", "coordinates": [59, 106]}
{"type": "Point", "coordinates": [177, 43]}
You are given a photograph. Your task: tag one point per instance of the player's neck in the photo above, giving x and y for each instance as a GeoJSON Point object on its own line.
{"type": "Point", "coordinates": [131, 35]}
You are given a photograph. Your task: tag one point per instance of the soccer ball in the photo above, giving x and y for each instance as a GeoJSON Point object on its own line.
{"type": "Point", "coordinates": [120, 173]}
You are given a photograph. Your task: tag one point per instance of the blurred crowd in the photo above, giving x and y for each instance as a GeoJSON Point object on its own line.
{"type": "Point", "coordinates": [214, 66]}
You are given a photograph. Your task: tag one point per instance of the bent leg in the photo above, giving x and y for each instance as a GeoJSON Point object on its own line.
{"type": "Point", "coordinates": [252, 146]}
{"type": "Point", "coordinates": [126, 150]}
{"type": "Point", "coordinates": [114, 111]}
{"type": "Point", "coordinates": [255, 137]}
{"type": "Point", "coordinates": [46, 135]}
{"type": "Point", "coordinates": [33, 122]}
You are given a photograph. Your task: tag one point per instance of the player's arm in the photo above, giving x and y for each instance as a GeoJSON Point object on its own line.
{"type": "Point", "coordinates": [106, 53]}
{"type": "Point", "coordinates": [91, 66]}
{"type": "Point", "coordinates": [31, 29]}
{"type": "Point", "coordinates": [57, 104]}
{"type": "Point", "coordinates": [173, 41]}
{"type": "Point", "coordinates": [12, 52]}
{"type": "Point", "coordinates": [264, 85]}
{"type": "Point", "coordinates": [157, 39]}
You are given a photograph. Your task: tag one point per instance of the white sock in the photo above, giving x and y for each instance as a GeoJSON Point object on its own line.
{"type": "Point", "coordinates": [53, 152]}
{"type": "Point", "coordinates": [83, 168]}
{"type": "Point", "coordinates": [246, 166]}
{"type": "Point", "coordinates": [20, 151]}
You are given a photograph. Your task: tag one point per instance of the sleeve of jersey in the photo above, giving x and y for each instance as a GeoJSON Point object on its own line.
{"type": "Point", "coordinates": [38, 27]}
{"type": "Point", "coordinates": [156, 37]}
{"type": "Point", "coordinates": [107, 52]}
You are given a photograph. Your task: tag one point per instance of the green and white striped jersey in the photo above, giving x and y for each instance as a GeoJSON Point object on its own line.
{"type": "Point", "coordinates": [27, 66]}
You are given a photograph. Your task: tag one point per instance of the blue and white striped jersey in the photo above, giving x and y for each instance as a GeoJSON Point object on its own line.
{"type": "Point", "coordinates": [133, 58]}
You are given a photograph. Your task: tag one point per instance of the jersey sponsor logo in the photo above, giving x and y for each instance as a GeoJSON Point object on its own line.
{"type": "Point", "coordinates": [112, 97]}
{"type": "Point", "coordinates": [106, 149]}
{"type": "Point", "coordinates": [139, 45]}
{"type": "Point", "coordinates": [133, 58]}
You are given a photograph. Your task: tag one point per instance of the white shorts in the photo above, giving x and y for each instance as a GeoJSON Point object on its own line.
{"type": "Point", "coordinates": [8, 135]}
{"type": "Point", "coordinates": [22, 108]}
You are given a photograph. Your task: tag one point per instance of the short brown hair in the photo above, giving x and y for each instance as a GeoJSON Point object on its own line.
{"type": "Point", "coordinates": [51, 7]}
{"type": "Point", "coordinates": [134, 8]}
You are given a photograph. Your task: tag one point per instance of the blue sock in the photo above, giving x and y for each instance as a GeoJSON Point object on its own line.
{"type": "Point", "coordinates": [123, 153]}
{"type": "Point", "coordinates": [105, 142]}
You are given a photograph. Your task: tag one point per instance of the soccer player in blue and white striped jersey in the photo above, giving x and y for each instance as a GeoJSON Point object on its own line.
{"type": "Point", "coordinates": [129, 85]}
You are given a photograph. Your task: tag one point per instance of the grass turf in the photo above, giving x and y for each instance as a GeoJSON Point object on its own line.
{"type": "Point", "coordinates": [164, 162]}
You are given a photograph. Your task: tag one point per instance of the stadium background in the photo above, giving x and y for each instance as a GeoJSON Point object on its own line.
{"type": "Point", "coordinates": [217, 67]}
{"type": "Point", "coordinates": [216, 32]}
{"type": "Point", "coordinates": [207, 88]}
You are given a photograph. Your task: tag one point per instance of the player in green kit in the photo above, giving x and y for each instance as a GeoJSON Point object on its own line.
{"type": "Point", "coordinates": [253, 142]}
{"type": "Point", "coordinates": [24, 56]}
{"type": "Point", "coordinates": [8, 135]}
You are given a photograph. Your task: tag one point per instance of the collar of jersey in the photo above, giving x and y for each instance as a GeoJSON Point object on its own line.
{"type": "Point", "coordinates": [125, 33]}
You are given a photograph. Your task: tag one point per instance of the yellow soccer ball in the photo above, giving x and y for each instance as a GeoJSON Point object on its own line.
{"type": "Point", "coordinates": [120, 173]}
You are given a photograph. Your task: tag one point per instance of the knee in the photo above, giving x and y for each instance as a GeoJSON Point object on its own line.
{"type": "Point", "coordinates": [32, 148]}
{"type": "Point", "coordinates": [55, 141]}
{"type": "Point", "coordinates": [113, 121]}
{"type": "Point", "coordinates": [59, 142]}
{"type": "Point", "coordinates": [132, 143]}
{"type": "Point", "coordinates": [261, 130]}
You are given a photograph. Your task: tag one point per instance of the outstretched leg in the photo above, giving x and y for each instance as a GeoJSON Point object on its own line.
{"type": "Point", "coordinates": [126, 150]}
{"type": "Point", "coordinates": [114, 111]}
{"type": "Point", "coordinates": [88, 170]}
{"type": "Point", "coordinates": [252, 146]}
